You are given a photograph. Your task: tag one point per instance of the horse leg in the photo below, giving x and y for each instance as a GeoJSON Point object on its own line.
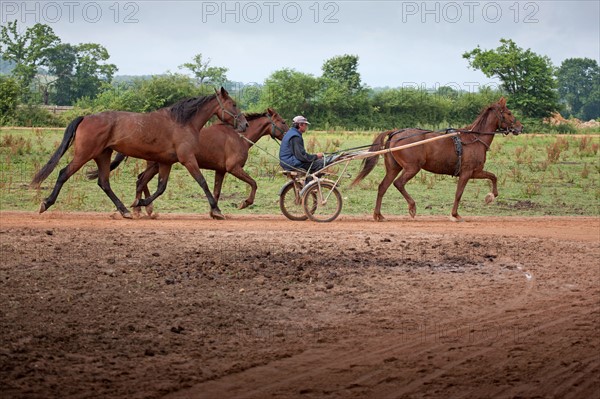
{"type": "Point", "coordinates": [219, 178]}
{"type": "Point", "coordinates": [482, 174]}
{"type": "Point", "coordinates": [245, 177]}
{"type": "Point", "coordinates": [141, 185]}
{"type": "Point", "coordinates": [163, 178]}
{"type": "Point", "coordinates": [63, 176]}
{"type": "Point", "coordinates": [103, 163]}
{"type": "Point", "coordinates": [391, 171]}
{"type": "Point", "coordinates": [192, 166]}
{"type": "Point", "coordinates": [149, 207]}
{"type": "Point", "coordinates": [400, 184]}
{"type": "Point", "coordinates": [460, 188]}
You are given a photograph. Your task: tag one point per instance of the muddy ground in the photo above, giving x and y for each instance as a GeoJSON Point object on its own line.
{"type": "Point", "coordinates": [93, 306]}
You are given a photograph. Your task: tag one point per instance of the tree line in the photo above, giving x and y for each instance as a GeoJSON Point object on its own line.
{"type": "Point", "coordinates": [47, 71]}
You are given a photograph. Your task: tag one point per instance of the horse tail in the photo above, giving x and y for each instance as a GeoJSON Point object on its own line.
{"type": "Point", "coordinates": [60, 151]}
{"type": "Point", "coordinates": [119, 158]}
{"type": "Point", "coordinates": [368, 164]}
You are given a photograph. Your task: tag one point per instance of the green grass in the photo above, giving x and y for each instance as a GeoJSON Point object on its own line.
{"type": "Point", "coordinates": [537, 175]}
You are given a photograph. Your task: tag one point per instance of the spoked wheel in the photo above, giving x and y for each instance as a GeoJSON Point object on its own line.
{"type": "Point", "coordinates": [290, 203]}
{"type": "Point", "coordinates": [322, 202]}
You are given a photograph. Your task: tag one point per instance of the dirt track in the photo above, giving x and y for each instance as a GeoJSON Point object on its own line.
{"type": "Point", "coordinates": [257, 307]}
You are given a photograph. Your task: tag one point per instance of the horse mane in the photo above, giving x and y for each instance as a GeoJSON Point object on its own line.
{"type": "Point", "coordinates": [183, 111]}
{"type": "Point", "coordinates": [254, 115]}
{"type": "Point", "coordinates": [481, 119]}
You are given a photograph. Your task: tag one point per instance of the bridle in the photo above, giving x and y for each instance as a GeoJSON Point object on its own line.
{"type": "Point", "coordinates": [224, 111]}
{"type": "Point", "coordinates": [274, 127]}
{"type": "Point", "coordinates": [502, 121]}
{"type": "Point", "coordinates": [499, 130]}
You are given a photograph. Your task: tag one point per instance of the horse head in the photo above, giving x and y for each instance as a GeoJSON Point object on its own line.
{"type": "Point", "coordinates": [507, 122]}
{"type": "Point", "coordinates": [280, 127]}
{"type": "Point", "coordinates": [229, 112]}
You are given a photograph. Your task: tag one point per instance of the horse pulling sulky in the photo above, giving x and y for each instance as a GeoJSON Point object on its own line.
{"type": "Point", "coordinates": [455, 152]}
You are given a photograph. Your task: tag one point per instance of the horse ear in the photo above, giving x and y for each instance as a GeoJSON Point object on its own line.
{"type": "Point", "coordinates": [270, 111]}
{"type": "Point", "coordinates": [502, 101]}
{"type": "Point", "coordinates": [224, 92]}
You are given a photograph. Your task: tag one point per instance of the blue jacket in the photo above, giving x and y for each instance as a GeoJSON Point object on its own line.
{"type": "Point", "coordinates": [286, 154]}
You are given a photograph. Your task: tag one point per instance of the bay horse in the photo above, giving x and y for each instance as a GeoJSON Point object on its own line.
{"type": "Point", "coordinates": [464, 156]}
{"type": "Point", "coordinates": [222, 149]}
{"type": "Point", "coordinates": [166, 136]}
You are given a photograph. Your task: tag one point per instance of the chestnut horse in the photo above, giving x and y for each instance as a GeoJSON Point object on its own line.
{"type": "Point", "coordinates": [166, 136]}
{"type": "Point", "coordinates": [463, 157]}
{"type": "Point", "coordinates": [222, 149]}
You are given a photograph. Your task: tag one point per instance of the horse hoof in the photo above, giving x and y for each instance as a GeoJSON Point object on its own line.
{"type": "Point", "coordinates": [217, 215]}
{"type": "Point", "coordinates": [490, 198]}
{"type": "Point", "coordinates": [149, 210]}
{"type": "Point", "coordinates": [244, 204]}
{"type": "Point", "coordinates": [43, 207]}
{"type": "Point", "coordinates": [379, 218]}
{"type": "Point", "coordinates": [456, 219]}
{"type": "Point", "coordinates": [126, 215]}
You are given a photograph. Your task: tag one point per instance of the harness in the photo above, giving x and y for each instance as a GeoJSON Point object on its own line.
{"type": "Point", "coordinates": [458, 147]}
{"type": "Point", "coordinates": [458, 144]}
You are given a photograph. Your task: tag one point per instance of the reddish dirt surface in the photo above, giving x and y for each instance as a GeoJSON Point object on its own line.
{"type": "Point", "coordinates": [260, 307]}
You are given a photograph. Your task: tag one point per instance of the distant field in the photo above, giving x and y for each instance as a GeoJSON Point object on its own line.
{"type": "Point", "coordinates": [537, 175]}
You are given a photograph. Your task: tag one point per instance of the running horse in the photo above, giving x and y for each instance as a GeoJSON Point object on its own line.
{"type": "Point", "coordinates": [463, 156]}
{"type": "Point", "coordinates": [165, 136]}
{"type": "Point", "coordinates": [222, 149]}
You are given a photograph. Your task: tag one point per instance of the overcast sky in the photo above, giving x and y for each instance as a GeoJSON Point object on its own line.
{"type": "Point", "coordinates": [399, 43]}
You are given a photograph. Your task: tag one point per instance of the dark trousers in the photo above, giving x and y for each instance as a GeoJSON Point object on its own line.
{"type": "Point", "coordinates": [311, 167]}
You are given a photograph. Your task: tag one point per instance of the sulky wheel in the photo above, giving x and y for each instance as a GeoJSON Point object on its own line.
{"type": "Point", "coordinates": [322, 202]}
{"type": "Point", "coordinates": [290, 202]}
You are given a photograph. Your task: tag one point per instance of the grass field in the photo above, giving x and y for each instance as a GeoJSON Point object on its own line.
{"type": "Point", "coordinates": [537, 175]}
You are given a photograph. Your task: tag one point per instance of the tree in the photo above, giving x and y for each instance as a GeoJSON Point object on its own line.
{"type": "Point", "coordinates": [344, 70]}
{"type": "Point", "coordinates": [28, 50]}
{"type": "Point", "coordinates": [527, 77]}
{"type": "Point", "coordinates": [250, 98]}
{"type": "Point", "coordinates": [202, 70]}
{"type": "Point", "coordinates": [579, 87]}
{"type": "Point", "coordinates": [62, 60]}
{"type": "Point", "coordinates": [290, 92]}
{"type": "Point", "coordinates": [74, 71]}
{"type": "Point", "coordinates": [9, 98]}
{"type": "Point", "coordinates": [342, 99]}
{"type": "Point", "coordinates": [91, 73]}
{"type": "Point", "coordinates": [164, 90]}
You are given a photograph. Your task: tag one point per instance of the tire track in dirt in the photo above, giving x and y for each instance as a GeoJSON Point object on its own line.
{"type": "Point", "coordinates": [360, 355]}
{"type": "Point", "coordinates": [297, 374]}
{"type": "Point", "coordinates": [564, 321]}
